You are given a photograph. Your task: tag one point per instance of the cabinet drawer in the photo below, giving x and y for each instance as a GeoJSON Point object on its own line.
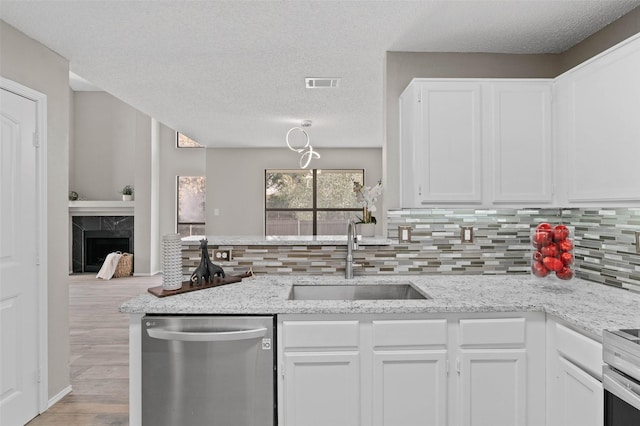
{"type": "Point", "coordinates": [580, 349]}
{"type": "Point", "coordinates": [409, 333]}
{"type": "Point", "coordinates": [321, 334]}
{"type": "Point", "coordinates": [493, 332]}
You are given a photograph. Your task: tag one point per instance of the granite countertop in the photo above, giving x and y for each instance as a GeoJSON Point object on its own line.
{"type": "Point", "coordinates": [588, 307]}
{"type": "Point", "coordinates": [296, 240]}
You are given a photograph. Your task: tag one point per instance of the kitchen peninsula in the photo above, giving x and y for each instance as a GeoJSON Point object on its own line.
{"type": "Point", "coordinates": [522, 326]}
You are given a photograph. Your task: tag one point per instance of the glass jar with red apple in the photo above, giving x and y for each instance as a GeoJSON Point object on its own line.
{"type": "Point", "coordinates": [552, 251]}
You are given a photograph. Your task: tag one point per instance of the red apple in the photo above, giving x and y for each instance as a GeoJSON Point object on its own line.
{"type": "Point", "coordinates": [537, 256]}
{"type": "Point", "coordinates": [560, 232]}
{"type": "Point", "coordinates": [539, 270]}
{"type": "Point", "coordinates": [565, 273]}
{"type": "Point", "coordinates": [552, 263]}
{"type": "Point", "coordinates": [550, 251]}
{"type": "Point", "coordinates": [541, 239]}
{"type": "Point", "coordinates": [544, 226]}
{"type": "Point", "coordinates": [566, 258]}
{"type": "Point", "coordinates": [565, 245]}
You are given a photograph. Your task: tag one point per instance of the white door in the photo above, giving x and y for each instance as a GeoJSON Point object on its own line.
{"type": "Point", "coordinates": [322, 388]}
{"type": "Point", "coordinates": [450, 149]}
{"type": "Point", "coordinates": [18, 261]}
{"type": "Point", "coordinates": [581, 397]}
{"type": "Point", "coordinates": [493, 387]}
{"type": "Point", "coordinates": [410, 388]}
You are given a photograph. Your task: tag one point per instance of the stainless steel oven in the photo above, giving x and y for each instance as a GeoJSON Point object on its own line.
{"type": "Point", "coordinates": [621, 377]}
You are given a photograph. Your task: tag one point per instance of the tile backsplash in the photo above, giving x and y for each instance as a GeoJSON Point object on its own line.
{"type": "Point", "coordinates": [605, 249]}
{"type": "Point", "coordinates": [604, 238]}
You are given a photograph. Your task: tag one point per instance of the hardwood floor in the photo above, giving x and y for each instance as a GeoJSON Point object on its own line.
{"type": "Point", "coordinates": [99, 352]}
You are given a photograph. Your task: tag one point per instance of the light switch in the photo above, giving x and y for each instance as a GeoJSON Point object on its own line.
{"type": "Point", "coordinates": [216, 212]}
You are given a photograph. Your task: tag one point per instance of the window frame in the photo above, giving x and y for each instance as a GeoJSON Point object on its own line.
{"type": "Point", "coordinates": [178, 223]}
{"type": "Point", "coordinates": [314, 209]}
{"type": "Point", "coordinates": [186, 147]}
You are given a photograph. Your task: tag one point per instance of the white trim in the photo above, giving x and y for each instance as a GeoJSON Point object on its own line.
{"type": "Point", "coordinates": [599, 55]}
{"type": "Point", "coordinates": [56, 398]}
{"type": "Point", "coordinates": [41, 234]}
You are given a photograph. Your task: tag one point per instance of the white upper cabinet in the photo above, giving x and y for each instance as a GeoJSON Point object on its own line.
{"type": "Point", "coordinates": [476, 142]}
{"type": "Point", "coordinates": [447, 152]}
{"type": "Point", "coordinates": [519, 132]}
{"type": "Point", "coordinates": [599, 126]}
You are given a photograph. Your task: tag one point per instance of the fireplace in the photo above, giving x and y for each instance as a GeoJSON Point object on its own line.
{"type": "Point", "coordinates": [94, 237]}
{"type": "Point", "coordinates": [98, 244]}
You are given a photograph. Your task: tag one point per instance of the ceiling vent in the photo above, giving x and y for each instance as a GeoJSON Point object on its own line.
{"type": "Point", "coordinates": [322, 82]}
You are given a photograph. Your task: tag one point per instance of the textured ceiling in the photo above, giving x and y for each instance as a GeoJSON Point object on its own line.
{"type": "Point", "coordinates": [231, 73]}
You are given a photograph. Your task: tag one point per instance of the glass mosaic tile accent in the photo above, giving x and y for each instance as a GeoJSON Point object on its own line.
{"type": "Point", "coordinates": [604, 251]}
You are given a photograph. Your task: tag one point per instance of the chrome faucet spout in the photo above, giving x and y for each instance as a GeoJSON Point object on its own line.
{"type": "Point", "coordinates": [352, 244]}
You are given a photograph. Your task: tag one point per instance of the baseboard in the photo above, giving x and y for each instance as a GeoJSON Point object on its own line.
{"type": "Point", "coordinates": [64, 392]}
{"type": "Point", "coordinates": [146, 274]}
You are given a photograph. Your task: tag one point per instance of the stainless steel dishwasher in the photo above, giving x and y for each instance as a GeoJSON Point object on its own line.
{"type": "Point", "coordinates": [208, 370]}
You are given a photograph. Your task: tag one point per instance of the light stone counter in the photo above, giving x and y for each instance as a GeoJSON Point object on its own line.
{"type": "Point", "coordinates": [296, 240]}
{"type": "Point", "coordinates": [589, 307]}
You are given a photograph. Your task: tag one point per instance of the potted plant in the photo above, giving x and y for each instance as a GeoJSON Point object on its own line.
{"type": "Point", "coordinates": [127, 193]}
{"type": "Point", "coordinates": [367, 197]}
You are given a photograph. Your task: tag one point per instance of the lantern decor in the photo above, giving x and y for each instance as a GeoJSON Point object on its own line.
{"type": "Point", "coordinates": [553, 251]}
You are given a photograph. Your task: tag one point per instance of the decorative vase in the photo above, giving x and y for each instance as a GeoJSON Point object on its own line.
{"type": "Point", "coordinates": [367, 229]}
{"type": "Point", "coordinates": [171, 262]}
{"type": "Point", "coordinates": [127, 197]}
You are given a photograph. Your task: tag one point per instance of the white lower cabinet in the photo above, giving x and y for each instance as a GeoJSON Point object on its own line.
{"type": "Point", "coordinates": [493, 389]}
{"type": "Point", "coordinates": [581, 397]}
{"type": "Point", "coordinates": [322, 388]}
{"type": "Point", "coordinates": [575, 396]}
{"type": "Point", "coordinates": [409, 388]}
{"type": "Point", "coordinates": [412, 371]}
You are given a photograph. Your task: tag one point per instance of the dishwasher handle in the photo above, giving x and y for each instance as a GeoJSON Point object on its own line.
{"type": "Point", "coordinates": [206, 336]}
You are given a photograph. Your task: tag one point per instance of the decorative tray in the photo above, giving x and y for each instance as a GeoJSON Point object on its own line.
{"type": "Point", "coordinates": [187, 285]}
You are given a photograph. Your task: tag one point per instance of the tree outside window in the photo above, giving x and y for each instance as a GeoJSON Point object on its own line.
{"type": "Point", "coordinates": [310, 202]}
{"type": "Point", "coordinates": [191, 205]}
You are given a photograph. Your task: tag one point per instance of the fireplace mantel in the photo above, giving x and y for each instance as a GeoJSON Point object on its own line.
{"type": "Point", "coordinates": [101, 208]}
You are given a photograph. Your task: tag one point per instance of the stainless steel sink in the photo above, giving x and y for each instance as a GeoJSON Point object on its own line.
{"type": "Point", "coordinates": [356, 292]}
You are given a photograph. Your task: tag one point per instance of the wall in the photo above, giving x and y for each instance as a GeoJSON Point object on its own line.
{"type": "Point", "coordinates": [31, 64]}
{"type": "Point", "coordinates": [235, 182]}
{"type": "Point", "coordinates": [104, 144]}
{"type": "Point", "coordinates": [612, 34]}
{"type": "Point", "coordinates": [402, 67]}
{"type": "Point", "coordinates": [175, 162]}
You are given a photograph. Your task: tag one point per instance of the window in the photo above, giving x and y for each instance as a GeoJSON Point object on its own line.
{"type": "Point", "coordinates": [186, 142]}
{"type": "Point", "coordinates": [310, 202]}
{"type": "Point", "coordinates": [191, 196]}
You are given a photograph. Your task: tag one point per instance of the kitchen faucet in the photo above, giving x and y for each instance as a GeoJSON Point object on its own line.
{"type": "Point", "coordinates": [352, 244]}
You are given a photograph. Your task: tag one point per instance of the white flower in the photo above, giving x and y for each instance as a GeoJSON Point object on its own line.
{"type": "Point", "coordinates": [367, 196]}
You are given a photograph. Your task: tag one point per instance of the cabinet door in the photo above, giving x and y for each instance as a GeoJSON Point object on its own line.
{"type": "Point", "coordinates": [449, 149]}
{"type": "Point", "coordinates": [520, 134]}
{"type": "Point", "coordinates": [322, 388]}
{"type": "Point", "coordinates": [493, 387]}
{"type": "Point", "coordinates": [410, 388]}
{"type": "Point", "coordinates": [600, 125]}
{"type": "Point", "coordinates": [579, 397]}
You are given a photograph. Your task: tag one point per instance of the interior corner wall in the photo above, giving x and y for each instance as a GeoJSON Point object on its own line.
{"type": "Point", "coordinates": [143, 206]}
{"type": "Point", "coordinates": [235, 182]}
{"type": "Point", "coordinates": [175, 162]}
{"type": "Point", "coordinates": [619, 30]}
{"type": "Point", "coordinates": [104, 144]}
{"type": "Point", "coordinates": [32, 64]}
{"type": "Point", "coordinates": [402, 67]}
